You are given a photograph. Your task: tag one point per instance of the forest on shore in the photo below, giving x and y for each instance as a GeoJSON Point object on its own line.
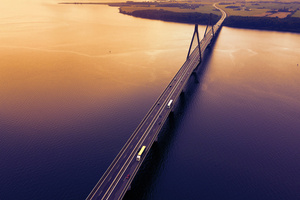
{"type": "Point", "coordinates": [290, 24]}
{"type": "Point", "coordinates": [192, 18]}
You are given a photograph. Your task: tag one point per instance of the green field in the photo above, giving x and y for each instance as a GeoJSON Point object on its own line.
{"type": "Point", "coordinates": [253, 8]}
{"type": "Point", "coordinates": [242, 11]}
{"type": "Point", "coordinates": [296, 14]}
{"type": "Point", "coordinates": [274, 5]}
{"type": "Point", "coordinates": [261, 9]}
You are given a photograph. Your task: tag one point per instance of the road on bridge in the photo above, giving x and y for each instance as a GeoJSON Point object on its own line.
{"type": "Point", "coordinates": [115, 181]}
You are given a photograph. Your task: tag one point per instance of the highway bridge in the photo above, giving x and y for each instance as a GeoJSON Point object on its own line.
{"type": "Point", "coordinates": [118, 177]}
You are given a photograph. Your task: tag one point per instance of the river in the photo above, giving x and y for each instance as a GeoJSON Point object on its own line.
{"type": "Point", "coordinates": [76, 80]}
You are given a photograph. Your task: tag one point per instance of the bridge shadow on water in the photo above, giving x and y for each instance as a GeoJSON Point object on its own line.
{"type": "Point", "coordinates": [145, 180]}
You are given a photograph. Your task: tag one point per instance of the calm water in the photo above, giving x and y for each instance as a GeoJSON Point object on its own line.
{"type": "Point", "coordinates": [75, 81]}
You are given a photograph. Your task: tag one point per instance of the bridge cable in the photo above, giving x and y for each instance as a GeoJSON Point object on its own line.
{"type": "Point", "coordinates": [195, 33]}
{"type": "Point", "coordinates": [210, 23]}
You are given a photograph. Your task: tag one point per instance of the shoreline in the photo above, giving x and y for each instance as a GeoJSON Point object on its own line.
{"type": "Point", "coordinates": [169, 16]}
{"type": "Point", "coordinates": [288, 24]}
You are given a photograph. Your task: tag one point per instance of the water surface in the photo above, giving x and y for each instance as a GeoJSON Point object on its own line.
{"type": "Point", "coordinates": [236, 134]}
{"type": "Point", "coordinates": [76, 80]}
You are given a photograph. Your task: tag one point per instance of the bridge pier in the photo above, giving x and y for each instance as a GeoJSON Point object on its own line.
{"type": "Point", "coordinates": [196, 77]}
{"type": "Point", "coordinates": [182, 93]}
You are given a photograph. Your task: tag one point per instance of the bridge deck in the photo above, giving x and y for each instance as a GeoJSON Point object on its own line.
{"type": "Point", "coordinates": [114, 183]}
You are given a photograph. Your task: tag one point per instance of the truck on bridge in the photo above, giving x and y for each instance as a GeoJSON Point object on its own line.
{"type": "Point", "coordinates": [142, 150]}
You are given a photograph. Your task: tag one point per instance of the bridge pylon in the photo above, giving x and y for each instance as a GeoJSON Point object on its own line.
{"type": "Point", "coordinates": [197, 34]}
{"type": "Point", "coordinates": [212, 26]}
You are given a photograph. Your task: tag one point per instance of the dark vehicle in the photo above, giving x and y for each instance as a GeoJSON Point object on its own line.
{"type": "Point", "coordinates": [128, 176]}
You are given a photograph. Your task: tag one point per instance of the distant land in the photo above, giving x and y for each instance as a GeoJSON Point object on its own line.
{"type": "Point", "coordinates": [262, 15]}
